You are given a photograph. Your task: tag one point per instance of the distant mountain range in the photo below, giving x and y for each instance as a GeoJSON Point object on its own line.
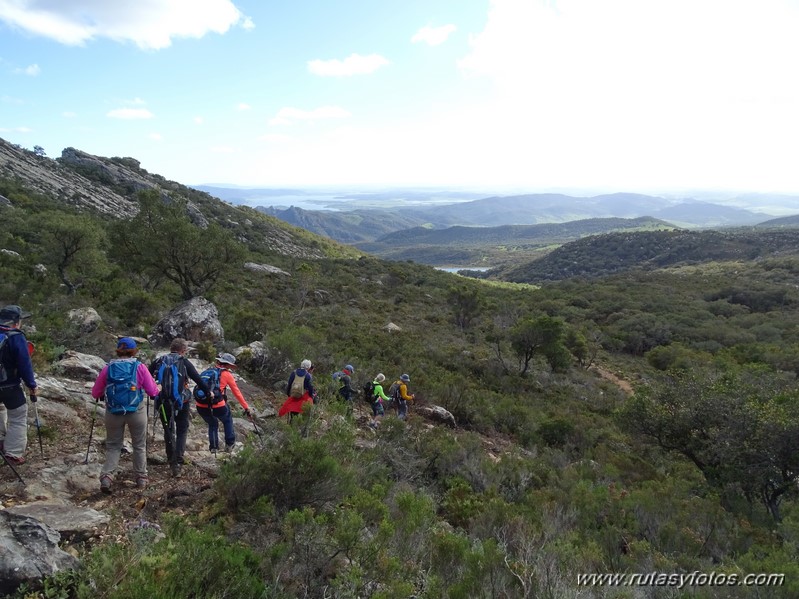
{"type": "Point", "coordinates": [370, 225]}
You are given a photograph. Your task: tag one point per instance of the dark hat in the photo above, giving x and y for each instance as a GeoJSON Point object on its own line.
{"type": "Point", "coordinates": [405, 378]}
{"type": "Point", "coordinates": [13, 313]}
{"type": "Point", "coordinates": [126, 343]}
{"type": "Point", "coordinates": [349, 369]}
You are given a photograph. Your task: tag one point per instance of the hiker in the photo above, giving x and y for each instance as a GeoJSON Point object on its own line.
{"type": "Point", "coordinates": [122, 384]}
{"type": "Point", "coordinates": [216, 410]}
{"type": "Point", "coordinates": [173, 404]}
{"type": "Point", "coordinates": [346, 390]}
{"type": "Point", "coordinates": [299, 390]}
{"type": "Point", "coordinates": [400, 396]}
{"type": "Point", "coordinates": [15, 369]}
{"type": "Point", "coordinates": [377, 399]}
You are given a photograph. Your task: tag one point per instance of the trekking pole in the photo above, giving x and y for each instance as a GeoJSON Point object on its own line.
{"type": "Point", "coordinates": [255, 427]}
{"type": "Point", "coordinates": [10, 465]}
{"type": "Point", "coordinates": [91, 431]}
{"type": "Point", "coordinates": [35, 400]}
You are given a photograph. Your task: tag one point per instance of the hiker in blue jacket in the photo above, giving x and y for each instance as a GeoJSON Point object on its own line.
{"type": "Point", "coordinates": [167, 407]}
{"type": "Point", "coordinates": [16, 363]}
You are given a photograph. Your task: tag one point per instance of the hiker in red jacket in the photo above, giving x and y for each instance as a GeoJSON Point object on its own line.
{"type": "Point", "coordinates": [299, 390]}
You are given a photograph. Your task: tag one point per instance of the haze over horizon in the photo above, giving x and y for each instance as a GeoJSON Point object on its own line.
{"type": "Point", "coordinates": [642, 96]}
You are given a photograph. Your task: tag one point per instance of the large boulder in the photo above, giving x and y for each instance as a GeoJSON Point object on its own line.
{"type": "Point", "coordinates": [70, 521]}
{"type": "Point", "coordinates": [76, 365]}
{"type": "Point", "coordinates": [436, 414]}
{"type": "Point", "coordinates": [195, 320]}
{"type": "Point", "coordinates": [85, 320]}
{"type": "Point", "coordinates": [29, 552]}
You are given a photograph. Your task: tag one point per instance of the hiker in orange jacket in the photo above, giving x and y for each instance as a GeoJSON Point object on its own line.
{"type": "Point", "coordinates": [402, 396]}
{"type": "Point", "coordinates": [217, 410]}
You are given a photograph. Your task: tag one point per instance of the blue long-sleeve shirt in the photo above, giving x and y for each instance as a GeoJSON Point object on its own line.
{"type": "Point", "coordinates": [17, 360]}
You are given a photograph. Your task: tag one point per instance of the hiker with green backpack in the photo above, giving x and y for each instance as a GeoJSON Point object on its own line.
{"type": "Point", "coordinates": [122, 384]}
{"type": "Point", "coordinates": [172, 371]}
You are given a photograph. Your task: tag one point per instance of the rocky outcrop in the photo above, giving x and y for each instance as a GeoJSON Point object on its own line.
{"type": "Point", "coordinates": [70, 521]}
{"type": "Point", "coordinates": [76, 365]}
{"type": "Point", "coordinates": [196, 319]}
{"type": "Point", "coordinates": [49, 177]}
{"type": "Point", "coordinates": [265, 269]}
{"type": "Point", "coordinates": [436, 414]}
{"type": "Point", "coordinates": [85, 319]}
{"type": "Point", "coordinates": [28, 551]}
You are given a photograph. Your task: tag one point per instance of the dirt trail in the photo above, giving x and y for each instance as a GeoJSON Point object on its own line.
{"type": "Point", "coordinates": [609, 376]}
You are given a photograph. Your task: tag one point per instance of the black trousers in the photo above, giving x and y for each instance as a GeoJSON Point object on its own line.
{"type": "Point", "coordinates": [165, 410]}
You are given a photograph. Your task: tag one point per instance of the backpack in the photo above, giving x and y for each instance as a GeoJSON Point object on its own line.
{"type": "Point", "coordinates": [210, 377]}
{"type": "Point", "coordinates": [122, 391]}
{"type": "Point", "coordinates": [297, 386]}
{"type": "Point", "coordinates": [369, 392]}
{"type": "Point", "coordinates": [4, 349]}
{"type": "Point", "coordinates": [394, 391]}
{"type": "Point", "coordinates": [171, 376]}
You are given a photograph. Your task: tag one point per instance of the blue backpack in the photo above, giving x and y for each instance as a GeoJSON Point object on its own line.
{"type": "Point", "coordinates": [210, 377]}
{"type": "Point", "coordinates": [171, 376]}
{"type": "Point", "coordinates": [122, 391]}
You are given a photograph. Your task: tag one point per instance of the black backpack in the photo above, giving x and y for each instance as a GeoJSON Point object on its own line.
{"type": "Point", "coordinates": [4, 348]}
{"type": "Point", "coordinates": [369, 392]}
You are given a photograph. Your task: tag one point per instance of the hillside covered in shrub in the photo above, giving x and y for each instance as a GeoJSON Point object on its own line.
{"type": "Point", "coordinates": [644, 419]}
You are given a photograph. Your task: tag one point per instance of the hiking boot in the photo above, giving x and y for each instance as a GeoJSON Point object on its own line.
{"type": "Point", "coordinates": [176, 470]}
{"type": "Point", "coordinates": [229, 448]}
{"type": "Point", "coordinates": [142, 482]}
{"type": "Point", "coordinates": [15, 460]}
{"type": "Point", "coordinates": [105, 484]}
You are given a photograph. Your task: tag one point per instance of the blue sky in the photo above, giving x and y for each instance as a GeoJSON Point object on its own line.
{"type": "Point", "coordinates": [612, 95]}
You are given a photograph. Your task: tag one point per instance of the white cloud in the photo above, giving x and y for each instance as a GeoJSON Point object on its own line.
{"type": "Point", "coordinates": [222, 150]}
{"type": "Point", "coordinates": [198, 120]}
{"type": "Point", "coordinates": [15, 130]}
{"type": "Point", "coordinates": [30, 70]}
{"type": "Point", "coordinates": [355, 64]}
{"type": "Point", "coordinates": [286, 116]}
{"type": "Point", "coordinates": [275, 137]}
{"type": "Point", "coordinates": [149, 25]}
{"type": "Point", "coordinates": [433, 36]}
{"type": "Point", "coordinates": [129, 113]}
{"type": "Point", "coordinates": [243, 106]}
{"type": "Point", "coordinates": [68, 114]}
{"type": "Point", "coordinates": [155, 136]}
{"type": "Point", "coordinates": [247, 23]}
{"type": "Point", "coordinates": [641, 92]}
{"type": "Point", "coordinates": [10, 100]}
